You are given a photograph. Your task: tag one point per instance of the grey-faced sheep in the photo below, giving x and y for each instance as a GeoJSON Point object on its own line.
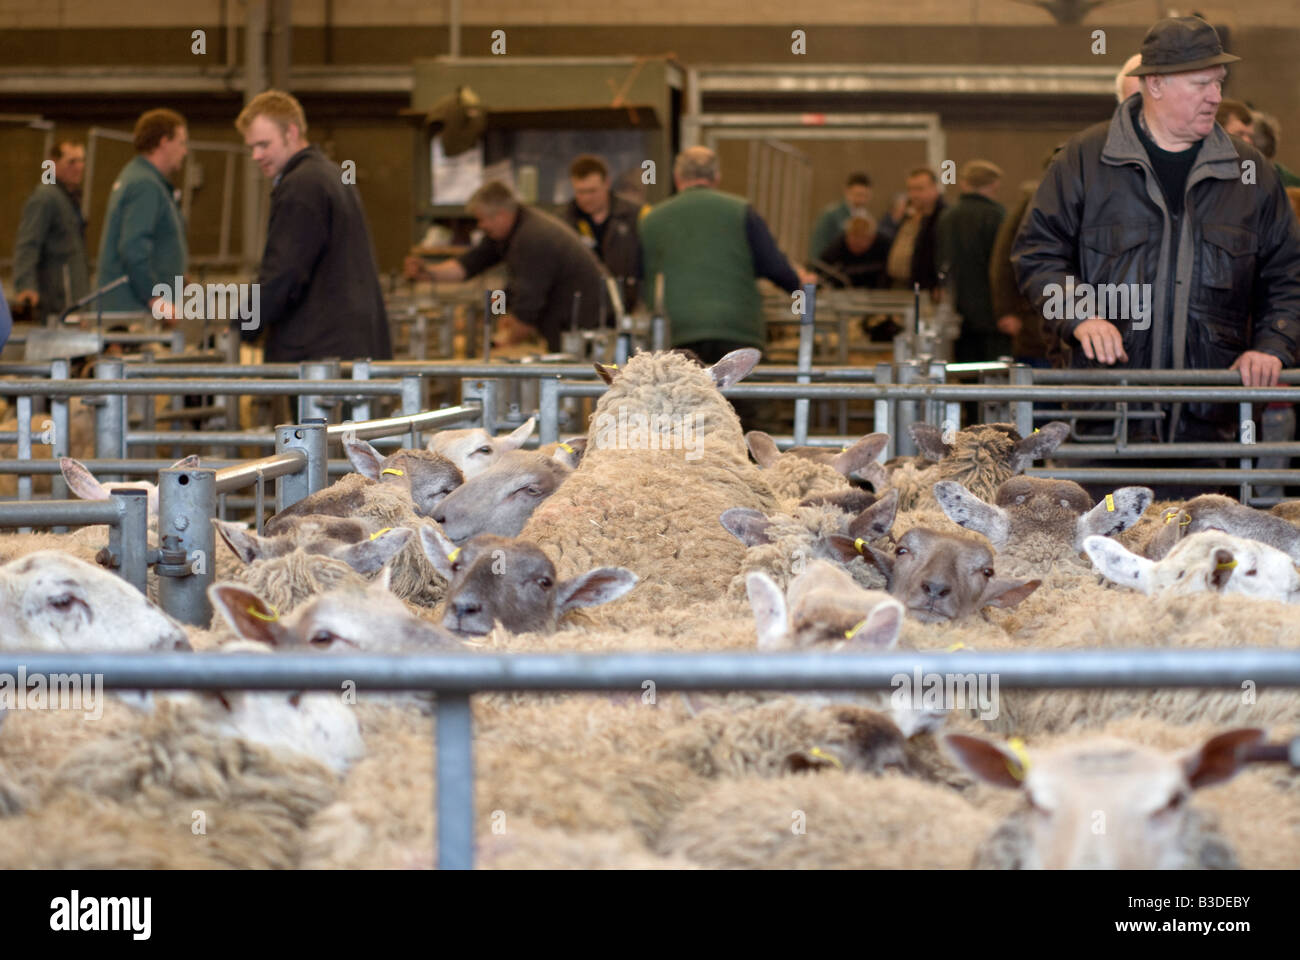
{"type": "Point", "coordinates": [1214, 511]}
{"type": "Point", "coordinates": [804, 472]}
{"type": "Point", "coordinates": [473, 450]}
{"type": "Point", "coordinates": [502, 498]}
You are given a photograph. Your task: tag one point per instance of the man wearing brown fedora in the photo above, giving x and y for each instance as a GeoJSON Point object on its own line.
{"type": "Point", "coordinates": [1175, 239]}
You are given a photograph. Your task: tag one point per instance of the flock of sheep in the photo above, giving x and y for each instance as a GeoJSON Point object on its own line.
{"type": "Point", "coordinates": [479, 544]}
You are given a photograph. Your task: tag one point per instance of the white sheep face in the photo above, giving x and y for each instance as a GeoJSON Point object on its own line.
{"type": "Point", "coordinates": [474, 450]}
{"type": "Point", "coordinates": [1210, 561]}
{"type": "Point", "coordinates": [53, 602]}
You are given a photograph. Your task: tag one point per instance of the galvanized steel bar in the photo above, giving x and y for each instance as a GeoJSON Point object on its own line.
{"type": "Point", "coordinates": [267, 468]}
{"type": "Point", "coordinates": [1122, 475]}
{"type": "Point", "coordinates": [312, 407]}
{"type": "Point", "coordinates": [121, 388]}
{"type": "Point", "coordinates": [187, 502]}
{"type": "Point", "coordinates": [548, 409]}
{"type": "Point", "coordinates": [44, 513]}
{"type": "Point", "coordinates": [883, 419]}
{"type": "Point", "coordinates": [806, 331]}
{"type": "Point", "coordinates": [24, 445]}
{"type": "Point", "coordinates": [455, 782]}
{"type": "Point", "coordinates": [361, 409]}
{"type": "Point", "coordinates": [110, 414]}
{"type": "Point", "coordinates": [128, 539]}
{"type": "Point", "coordinates": [312, 440]}
{"type": "Point", "coordinates": [1022, 411]}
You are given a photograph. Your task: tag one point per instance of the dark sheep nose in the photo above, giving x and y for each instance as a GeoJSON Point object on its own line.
{"type": "Point", "coordinates": [465, 608]}
{"type": "Point", "coordinates": [935, 588]}
{"type": "Point", "coordinates": [439, 518]}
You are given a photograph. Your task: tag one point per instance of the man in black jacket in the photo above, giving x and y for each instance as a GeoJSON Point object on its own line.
{"type": "Point", "coordinates": [318, 287]}
{"type": "Point", "coordinates": [606, 223]}
{"type": "Point", "coordinates": [1157, 241]}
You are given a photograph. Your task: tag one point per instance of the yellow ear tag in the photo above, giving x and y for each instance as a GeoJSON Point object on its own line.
{"type": "Point", "coordinates": [955, 647]}
{"type": "Point", "coordinates": [848, 634]}
{"type": "Point", "coordinates": [1230, 565]}
{"type": "Point", "coordinates": [858, 544]}
{"type": "Point", "coordinates": [565, 447]}
{"type": "Point", "coordinates": [1017, 746]}
{"type": "Point", "coordinates": [275, 614]}
{"type": "Point", "coordinates": [844, 449]}
{"type": "Point", "coordinates": [1035, 429]}
{"type": "Point", "coordinates": [379, 533]}
{"type": "Point", "coordinates": [453, 555]}
{"type": "Point", "coordinates": [1110, 503]}
{"type": "Point", "coordinates": [396, 473]}
{"type": "Point", "coordinates": [821, 754]}
{"type": "Point", "coordinates": [1183, 523]}
{"type": "Point", "coordinates": [1169, 516]}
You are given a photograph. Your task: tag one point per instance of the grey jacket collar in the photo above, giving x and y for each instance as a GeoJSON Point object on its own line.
{"type": "Point", "coordinates": [1123, 146]}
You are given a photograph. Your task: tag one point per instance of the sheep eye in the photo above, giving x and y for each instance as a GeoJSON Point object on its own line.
{"type": "Point", "coordinates": [1174, 804]}
{"type": "Point", "coordinates": [295, 699]}
{"type": "Point", "coordinates": [322, 638]}
{"type": "Point", "coordinates": [544, 583]}
{"type": "Point", "coordinates": [455, 567]}
{"type": "Point", "coordinates": [1020, 499]}
{"type": "Point", "coordinates": [1250, 573]}
{"type": "Point", "coordinates": [1065, 503]}
{"type": "Point", "coordinates": [483, 450]}
{"type": "Point", "coordinates": [533, 490]}
{"type": "Point", "coordinates": [987, 571]}
{"type": "Point", "coordinates": [63, 602]}
{"type": "Point", "coordinates": [901, 551]}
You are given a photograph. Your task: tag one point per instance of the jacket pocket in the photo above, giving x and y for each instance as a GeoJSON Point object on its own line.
{"type": "Point", "coordinates": [1114, 253]}
{"type": "Point", "coordinates": [1227, 256]}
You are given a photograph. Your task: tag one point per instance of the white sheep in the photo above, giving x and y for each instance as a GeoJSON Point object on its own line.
{"type": "Point", "coordinates": [473, 450]}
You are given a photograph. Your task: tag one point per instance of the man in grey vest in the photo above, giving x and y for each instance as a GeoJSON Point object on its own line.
{"type": "Point", "coordinates": [50, 269]}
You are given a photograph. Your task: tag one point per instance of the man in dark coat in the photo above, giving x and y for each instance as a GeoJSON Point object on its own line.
{"type": "Point", "coordinates": [966, 233]}
{"type": "Point", "coordinates": [50, 267]}
{"type": "Point", "coordinates": [318, 286]}
{"type": "Point", "coordinates": [606, 223]}
{"type": "Point", "coordinates": [546, 264]}
{"type": "Point", "coordinates": [1172, 242]}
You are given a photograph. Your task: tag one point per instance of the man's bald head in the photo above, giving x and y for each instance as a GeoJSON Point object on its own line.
{"type": "Point", "coordinates": [696, 166]}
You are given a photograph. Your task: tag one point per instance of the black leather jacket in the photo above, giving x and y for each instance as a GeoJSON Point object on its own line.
{"type": "Point", "coordinates": [1224, 277]}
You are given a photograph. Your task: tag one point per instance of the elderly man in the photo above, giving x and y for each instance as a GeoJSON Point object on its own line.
{"type": "Point", "coordinates": [711, 247]}
{"type": "Point", "coordinates": [1161, 204]}
{"type": "Point", "coordinates": [50, 268]}
{"type": "Point", "coordinates": [546, 264]}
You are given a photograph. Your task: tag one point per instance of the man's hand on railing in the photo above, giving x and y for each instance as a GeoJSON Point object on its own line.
{"type": "Point", "coordinates": [1258, 369]}
{"type": "Point", "coordinates": [1101, 341]}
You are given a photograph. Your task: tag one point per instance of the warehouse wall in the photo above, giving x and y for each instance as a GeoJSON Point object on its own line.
{"type": "Point", "coordinates": [77, 33]}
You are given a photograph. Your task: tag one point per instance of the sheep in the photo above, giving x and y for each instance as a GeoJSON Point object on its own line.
{"type": "Point", "coordinates": [803, 472]}
{"type": "Point", "coordinates": [348, 619]}
{"type": "Point", "coordinates": [635, 501]}
{"type": "Point", "coordinates": [1207, 561]}
{"type": "Point", "coordinates": [1036, 523]}
{"type": "Point", "coordinates": [352, 541]}
{"type": "Point", "coordinates": [501, 499]}
{"type": "Point", "coordinates": [473, 450]}
{"type": "Point", "coordinates": [825, 606]}
{"type": "Point", "coordinates": [1212, 511]}
{"type": "Point", "coordinates": [981, 458]}
{"type": "Point", "coordinates": [1138, 793]}
{"type": "Point", "coordinates": [1288, 510]}
{"type": "Point", "coordinates": [84, 485]}
{"type": "Point", "coordinates": [833, 819]}
{"type": "Point", "coordinates": [495, 579]}
{"type": "Point", "coordinates": [55, 602]}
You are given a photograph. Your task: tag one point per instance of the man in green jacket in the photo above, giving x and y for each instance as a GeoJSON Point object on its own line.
{"type": "Point", "coordinates": [144, 234]}
{"type": "Point", "coordinates": [711, 248]}
{"type": "Point", "coordinates": [50, 269]}
{"type": "Point", "coordinates": [832, 221]}
{"type": "Point", "coordinates": [966, 234]}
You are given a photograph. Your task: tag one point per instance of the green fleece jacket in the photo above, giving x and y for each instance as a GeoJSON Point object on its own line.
{"type": "Point", "coordinates": [144, 237]}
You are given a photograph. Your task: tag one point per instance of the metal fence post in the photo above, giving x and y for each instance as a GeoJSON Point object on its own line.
{"type": "Point", "coordinates": [548, 410]}
{"type": "Point", "coordinates": [1022, 411]}
{"type": "Point", "coordinates": [883, 419]}
{"type": "Point", "coordinates": [128, 539]}
{"type": "Point", "coordinates": [25, 448]}
{"type": "Point", "coordinates": [1245, 412]}
{"type": "Point", "coordinates": [361, 408]}
{"type": "Point", "coordinates": [187, 502]}
{"type": "Point", "coordinates": [806, 331]}
{"type": "Point", "coordinates": [908, 373]}
{"type": "Point", "coordinates": [316, 408]}
{"type": "Point", "coordinates": [412, 400]}
{"type": "Point", "coordinates": [455, 782]}
{"type": "Point", "coordinates": [313, 440]}
{"type": "Point", "coordinates": [110, 417]}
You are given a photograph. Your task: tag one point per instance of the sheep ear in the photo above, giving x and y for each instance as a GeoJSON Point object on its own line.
{"type": "Point", "coordinates": [1116, 513]}
{"type": "Point", "coordinates": [1038, 445]}
{"type": "Point", "coordinates": [877, 520]}
{"type": "Point", "coordinates": [383, 582]}
{"type": "Point", "coordinates": [734, 367]}
{"type": "Point", "coordinates": [763, 448]}
{"type": "Point", "coordinates": [880, 630]}
{"type": "Point", "coordinates": [913, 720]}
{"type": "Point", "coordinates": [438, 549]}
{"type": "Point", "coordinates": [247, 546]}
{"type": "Point", "coordinates": [186, 463]}
{"type": "Point", "coordinates": [593, 588]}
{"type": "Point", "coordinates": [605, 373]}
{"type": "Point", "coordinates": [519, 436]}
{"type": "Point", "coordinates": [770, 616]}
{"type": "Point", "coordinates": [366, 460]}
{"type": "Point", "coordinates": [1118, 564]}
{"type": "Point", "coordinates": [1224, 564]}
{"type": "Point", "coordinates": [967, 510]}
{"type": "Point", "coordinates": [1007, 593]}
{"type": "Point", "coordinates": [986, 761]}
{"type": "Point", "coordinates": [746, 525]}
{"type": "Point", "coordinates": [851, 500]}
{"type": "Point", "coordinates": [861, 454]}
{"type": "Point", "coordinates": [876, 475]}
{"type": "Point", "coordinates": [249, 615]}
{"type": "Point", "coordinates": [929, 441]}
{"type": "Point", "coordinates": [370, 554]}
{"type": "Point", "coordinates": [1173, 528]}
{"type": "Point", "coordinates": [573, 455]}
{"type": "Point", "coordinates": [81, 481]}
{"type": "Point", "coordinates": [882, 561]}
{"type": "Point", "coordinates": [838, 548]}
{"type": "Point", "coordinates": [1220, 757]}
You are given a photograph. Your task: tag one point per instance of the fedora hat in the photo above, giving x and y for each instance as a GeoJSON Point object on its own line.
{"type": "Point", "coordinates": [1179, 45]}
